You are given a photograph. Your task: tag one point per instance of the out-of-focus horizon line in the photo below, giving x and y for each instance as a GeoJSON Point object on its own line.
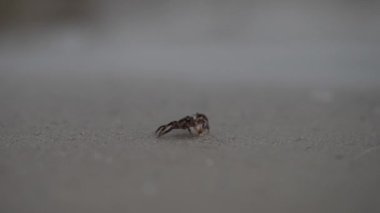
{"type": "Point", "coordinates": [291, 41]}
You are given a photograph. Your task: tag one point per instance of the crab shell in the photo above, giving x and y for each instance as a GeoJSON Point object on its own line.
{"type": "Point", "coordinates": [200, 127]}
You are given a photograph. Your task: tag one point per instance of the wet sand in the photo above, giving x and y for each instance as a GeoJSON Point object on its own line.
{"type": "Point", "coordinates": [86, 144]}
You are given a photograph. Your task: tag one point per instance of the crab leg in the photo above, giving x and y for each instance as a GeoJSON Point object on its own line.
{"type": "Point", "coordinates": [162, 130]}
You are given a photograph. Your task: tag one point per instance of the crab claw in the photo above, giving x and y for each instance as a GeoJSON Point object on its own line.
{"type": "Point", "coordinates": [160, 130]}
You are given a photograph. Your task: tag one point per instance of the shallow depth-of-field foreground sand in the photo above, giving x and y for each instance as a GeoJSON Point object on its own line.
{"type": "Point", "coordinates": [86, 144]}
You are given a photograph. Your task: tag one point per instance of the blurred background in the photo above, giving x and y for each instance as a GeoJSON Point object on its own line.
{"type": "Point", "coordinates": [322, 42]}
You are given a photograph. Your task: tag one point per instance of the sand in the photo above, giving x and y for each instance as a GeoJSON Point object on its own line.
{"type": "Point", "coordinates": [86, 144]}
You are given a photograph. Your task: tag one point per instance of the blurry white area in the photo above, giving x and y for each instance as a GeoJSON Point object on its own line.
{"type": "Point", "coordinates": [149, 188]}
{"type": "Point", "coordinates": [376, 111]}
{"type": "Point", "coordinates": [209, 162]}
{"type": "Point", "coordinates": [322, 96]}
{"type": "Point", "coordinates": [282, 41]}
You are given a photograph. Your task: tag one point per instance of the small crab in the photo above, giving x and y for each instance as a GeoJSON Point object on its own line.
{"type": "Point", "coordinates": [197, 123]}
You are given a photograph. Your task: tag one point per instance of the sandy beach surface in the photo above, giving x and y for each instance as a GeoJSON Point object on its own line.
{"type": "Point", "coordinates": [86, 144]}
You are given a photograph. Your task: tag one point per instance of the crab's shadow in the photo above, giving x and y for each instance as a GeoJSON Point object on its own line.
{"type": "Point", "coordinates": [185, 138]}
{"type": "Point", "coordinates": [178, 136]}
